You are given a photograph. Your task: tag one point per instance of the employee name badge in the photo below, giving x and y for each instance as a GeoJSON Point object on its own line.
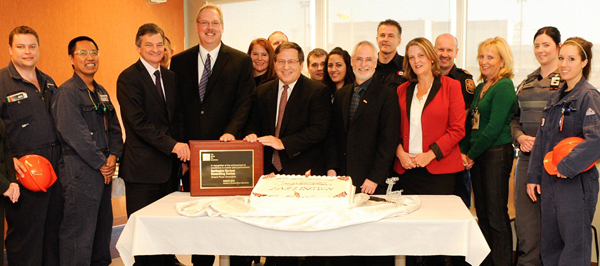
{"type": "Point", "coordinates": [103, 98]}
{"type": "Point", "coordinates": [475, 119]}
{"type": "Point", "coordinates": [16, 97]}
{"type": "Point", "coordinates": [555, 82]}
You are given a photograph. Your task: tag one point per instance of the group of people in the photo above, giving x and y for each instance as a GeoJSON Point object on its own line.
{"type": "Point", "coordinates": [370, 114]}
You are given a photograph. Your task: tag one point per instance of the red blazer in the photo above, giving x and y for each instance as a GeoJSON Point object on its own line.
{"type": "Point", "coordinates": [443, 122]}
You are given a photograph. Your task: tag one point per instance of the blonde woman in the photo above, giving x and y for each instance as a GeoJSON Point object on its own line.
{"type": "Point", "coordinates": [488, 151]}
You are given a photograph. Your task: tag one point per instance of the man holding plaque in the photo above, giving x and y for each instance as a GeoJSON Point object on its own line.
{"type": "Point", "coordinates": [215, 82]}
{"type": "Point", "coordinates": [291, 114]}
{"type": "Point", "coordinates": [154, 129]}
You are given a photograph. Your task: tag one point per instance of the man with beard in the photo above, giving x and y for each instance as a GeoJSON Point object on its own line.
{"type": "Point", "coordinates": [364, 135]}
{"type": "Point", "coordinates": [365, 128]}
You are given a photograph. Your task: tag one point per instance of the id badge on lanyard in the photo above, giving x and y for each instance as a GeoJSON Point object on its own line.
{"type": "Point", "coordinates": [475, 119]}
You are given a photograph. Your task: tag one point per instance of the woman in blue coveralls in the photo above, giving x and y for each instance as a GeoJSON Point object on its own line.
{"type": "Point", "coordinates": [568, 199]}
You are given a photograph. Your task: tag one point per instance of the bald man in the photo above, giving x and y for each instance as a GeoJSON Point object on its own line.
{"type": "Point", "coordinates": [276, 38]}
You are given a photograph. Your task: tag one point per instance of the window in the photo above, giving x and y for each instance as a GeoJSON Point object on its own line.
{"type": "Point", "coordinates": [330, 23]}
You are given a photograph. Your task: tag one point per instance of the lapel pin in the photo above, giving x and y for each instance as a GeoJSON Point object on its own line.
{"type": "Point", "coordinates": [365, 101]}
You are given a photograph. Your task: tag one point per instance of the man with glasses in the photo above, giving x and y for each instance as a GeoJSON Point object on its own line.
{"type": "Point", "coordinates": [215, 82]}
{"type": "Point", "coordinates": [25, 97]}
{"type": "Point", "coordinates": [290, 118]}
{"type": "Point", "coordinates": [151, 114]}
{"type": "Point", "coordinates": [91, 140]}
{"type": "Point", "coordinates": [365, 127]}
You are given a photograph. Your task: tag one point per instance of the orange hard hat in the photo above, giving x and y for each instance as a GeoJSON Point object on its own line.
{"type": "Point", "coordinates": [40, 174]}
{"type": "Point", "coordinates": [562, 149]}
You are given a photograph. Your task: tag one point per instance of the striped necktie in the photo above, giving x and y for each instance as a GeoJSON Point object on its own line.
{"type": "Point", "coordinates": [204, 80]}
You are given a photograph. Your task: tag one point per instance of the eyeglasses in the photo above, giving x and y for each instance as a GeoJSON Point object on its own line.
{"type": "Point", "coordinates": [290, 62]}
{"type": "Point", "coordinates": [206, 23]}
{"type": "Point", "coordinates": [361, 59]}
{"type": "Point", "coordinates": [84, 53]}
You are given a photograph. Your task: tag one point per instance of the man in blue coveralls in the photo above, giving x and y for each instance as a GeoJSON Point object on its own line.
{"type": "Point", "coordinates": [25, 97]}
{"type": "Point", "coordinates": [91, 141]}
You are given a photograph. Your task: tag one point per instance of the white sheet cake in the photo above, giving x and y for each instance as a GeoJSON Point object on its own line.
{"type": "Point", "coordinates": [301, 193]}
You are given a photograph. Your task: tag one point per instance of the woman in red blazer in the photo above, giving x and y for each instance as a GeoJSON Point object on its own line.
{"type": "Point", "coordinates": [432, 123]}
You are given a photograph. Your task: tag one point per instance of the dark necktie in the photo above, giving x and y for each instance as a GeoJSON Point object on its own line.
{"type": "Point", "coordinates": [159, 85]}
{"type": "Point", "coordinates": [355, 101]}
{"type": "Point", "coordinates": [204, 80]}
{"type": "Point", "coordinates": [282, 104]}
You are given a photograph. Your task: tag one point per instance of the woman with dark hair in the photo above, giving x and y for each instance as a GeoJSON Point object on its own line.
{"type": "Point", "coordinates": [569, 193]}
{"type": "Point", "coordinates": [339, 70]}
{"type": "Point", "coordinates": [487, 149]}
{"type": "Point", "coordinates": [262, 54]}
{"type": "Point", "coordinates": [532, 96]}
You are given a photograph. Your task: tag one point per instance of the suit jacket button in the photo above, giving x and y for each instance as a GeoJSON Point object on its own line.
{"type": "Point", "coordinates": [201, 112]}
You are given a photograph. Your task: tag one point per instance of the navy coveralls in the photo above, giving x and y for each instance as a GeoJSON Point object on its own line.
{"type": "Point", "coordinates": [568, 204]}
{"type": "Point", "coordinates": [33, 222]}
{"type": "Point", "coordinates": [80, 116]}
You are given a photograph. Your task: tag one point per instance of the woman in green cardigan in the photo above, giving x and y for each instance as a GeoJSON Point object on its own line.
{"type": "Point", "coordinates": [488, 151]}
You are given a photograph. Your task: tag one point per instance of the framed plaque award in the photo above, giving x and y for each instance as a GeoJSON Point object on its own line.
{"type": "Point", "coordinates": [224, 168]}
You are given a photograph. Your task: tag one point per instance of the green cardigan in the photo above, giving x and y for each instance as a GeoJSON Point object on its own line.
{"type": "Point", "coordinates": [496, 111]}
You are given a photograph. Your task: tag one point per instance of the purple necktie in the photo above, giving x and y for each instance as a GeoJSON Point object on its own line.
{"type": "Point", "coordinates": [159, 85]}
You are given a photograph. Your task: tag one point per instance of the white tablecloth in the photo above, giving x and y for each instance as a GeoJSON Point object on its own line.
{"type": "Point", "coordinates": [443, 225]}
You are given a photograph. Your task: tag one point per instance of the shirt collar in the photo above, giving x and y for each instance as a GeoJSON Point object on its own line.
{"type": "Point", "coordinates": [290, 86]}
{"type": "Point", "coordinates": [81, 85]}
{"type": "Point", "coordinates": [213, 54]}
{"type": "Point", "coordinates": [149, 67]}
{"type": "Point", "coordinates": [364, 85]}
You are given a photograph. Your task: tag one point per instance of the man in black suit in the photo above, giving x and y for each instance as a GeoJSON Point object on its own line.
{"type": "Point", "coordinates": [293, 136]}
{"type": "Point", "coordinates": [292, 115]}
{"type": "Point", "coordinates": [364, 135]}
{"type": "Point", "coordinates": [215, 82]}
{"type": "Point", "coordinates": [365, 128]}
{"type": "Point", "coordinates": [153, 125]}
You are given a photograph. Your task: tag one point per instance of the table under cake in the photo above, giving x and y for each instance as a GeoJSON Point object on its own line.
{"type": "Point", "coordinates": [442, 226]}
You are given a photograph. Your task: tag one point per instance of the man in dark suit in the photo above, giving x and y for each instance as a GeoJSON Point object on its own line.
{"type": "Point", "coordinates": [364, 135]}
{"type": "Point", "coordinates": [292, 136]}
{"type": "Point", "coordinates": [291, 114]}
{"type": "Point", "coordinates": [153, 126]}
{"type": "Point", "coordinates": [365, 128]}
{"type": "Point", "coordinates": [215, 82]}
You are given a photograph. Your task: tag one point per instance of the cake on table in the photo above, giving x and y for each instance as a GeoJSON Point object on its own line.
{"type": "Point", "coordinates": [300, 192]}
